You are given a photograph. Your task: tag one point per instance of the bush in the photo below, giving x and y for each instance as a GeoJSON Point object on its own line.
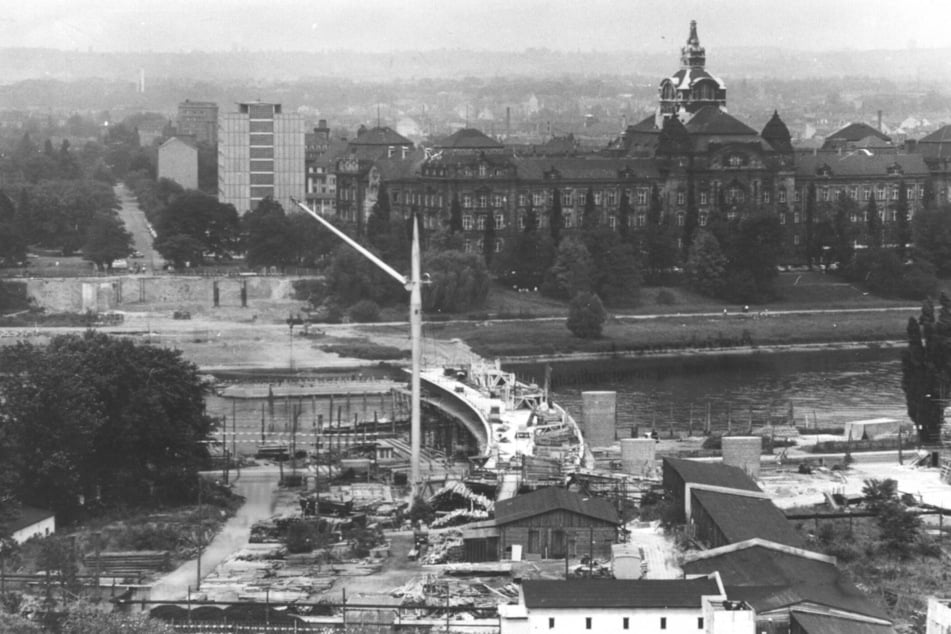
{"type": "Point", "coordinates": [365, 311]}
{"type": "Point", "coordinates": [149, 537]}
{"type": "Point", "coordinates": [586, 316]}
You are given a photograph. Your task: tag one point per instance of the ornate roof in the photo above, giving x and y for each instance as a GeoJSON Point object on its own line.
{"type": "Point", "coordinates": [712, 120]}
{"type": "Point", "coordinates": [777, 134]}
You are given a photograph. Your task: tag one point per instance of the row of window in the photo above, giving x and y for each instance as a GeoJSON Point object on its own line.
{"type": "Point", "coordinates": [475, 246]}
{"type": "Point", "coordinates": [625, 622]}
{"type": "Point", "coordinates": [732, 194]}
{"type": "Point", "coordinates": [882, 192]}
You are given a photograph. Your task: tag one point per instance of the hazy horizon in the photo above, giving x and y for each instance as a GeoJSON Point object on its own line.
{"type": "Point", "coordinates": [380, 26]}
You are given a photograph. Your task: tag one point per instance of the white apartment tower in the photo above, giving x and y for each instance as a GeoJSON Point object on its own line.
{"type": "Point", "coordinates": [260, 154]}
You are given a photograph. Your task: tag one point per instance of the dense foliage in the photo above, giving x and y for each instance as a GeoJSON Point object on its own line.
{"type": "Point", "coordinates": [926, 368]}
{"type": "Point", "coordinates": [91, 419]}
{"type": "Point", "coordinates": [586, 316]}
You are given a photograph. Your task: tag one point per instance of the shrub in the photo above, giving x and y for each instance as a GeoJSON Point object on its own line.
{"type": "Point", "coordinates": [586, 316]}
{"type": "Point", "coordinates": [365, 311]}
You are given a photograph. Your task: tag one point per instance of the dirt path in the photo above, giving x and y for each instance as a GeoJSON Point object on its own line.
{"type": "Point", "coordinates": [257, 485]}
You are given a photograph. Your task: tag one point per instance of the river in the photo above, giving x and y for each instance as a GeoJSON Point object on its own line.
{"type": "Point", "coordinates": [824, 388]}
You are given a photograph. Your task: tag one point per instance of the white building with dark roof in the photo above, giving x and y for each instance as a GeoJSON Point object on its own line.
{"type": "Point", "coordinates": [610, 606]}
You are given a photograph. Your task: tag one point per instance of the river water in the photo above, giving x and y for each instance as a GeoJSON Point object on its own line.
{"type": "Point", "coordinates": [818, 388]}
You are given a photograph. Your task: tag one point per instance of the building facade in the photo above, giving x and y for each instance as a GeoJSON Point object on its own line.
{"type": "Point", "coordinates": [260, 154]}
{"type": "Point", "coordinates": [178, 161]}
{"type": "Point", "coordinates": [198, 119]}
{"type": "Point", "coordinates": [690, 151]}
{"type": "Point", "coordinates": [610, 606]}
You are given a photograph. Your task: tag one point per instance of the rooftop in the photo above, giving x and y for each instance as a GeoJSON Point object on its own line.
{"type": "Point", "coordinates": [714, 474]}
{"type": "Point", "coordinates": [550, 499]}
{"type": "Point", "coordinates": [614, 593]}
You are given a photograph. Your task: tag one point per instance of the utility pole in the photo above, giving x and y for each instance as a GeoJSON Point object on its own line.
{"type": "Point", "coordinates": [200, 527]}
{"type": "Point", "coordinates": [412, 284]}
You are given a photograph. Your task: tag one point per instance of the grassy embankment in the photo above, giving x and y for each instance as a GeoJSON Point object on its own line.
{"type": "Point", "coordinates": [686, 321]}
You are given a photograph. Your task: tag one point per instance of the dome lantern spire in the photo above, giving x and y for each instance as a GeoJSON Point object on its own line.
{"type": "Point", "coordinates": [693, 55]}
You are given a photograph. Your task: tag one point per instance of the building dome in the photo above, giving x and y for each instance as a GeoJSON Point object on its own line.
{"type": "Point", "coordinates": [777, 134]}
{"type": "Point", "coordinates": [691, 87]}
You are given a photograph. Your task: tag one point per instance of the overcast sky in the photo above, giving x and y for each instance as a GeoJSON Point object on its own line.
{"type": "Point", "coordinates": [382, 25]}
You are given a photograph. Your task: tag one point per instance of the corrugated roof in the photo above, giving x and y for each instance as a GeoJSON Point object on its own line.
{"type": "Point", "coordinates": [860, 163]}
{"type": "Point", "coordinates": [712, 120]}
{"type": "Point", "coordinates": [552, 498]}
{"type": "Point", "coordinates": [714, 474]}
{"type": "Point", "coordinates": [812, 623]}
{"type": "Point", "coordinates": [615, 593]}
{"type": "Point", "coordinates": [741, 517]}
{"type": "Point", "coordinates": [770, 579]}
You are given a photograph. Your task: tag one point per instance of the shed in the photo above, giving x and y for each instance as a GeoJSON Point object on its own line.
{"type": "Point", "coordinates": [723, 518]}
{"type": "Point", "coordinates": [776, 579]}
{"type": "Point", "coordinates": [32, 522]}
{"type": "Point", "coordinates": [871, 428]}
{"type": "Point", "coordinates": [555, 522]}
{"type": "Point", "coordinates": [679, 472]}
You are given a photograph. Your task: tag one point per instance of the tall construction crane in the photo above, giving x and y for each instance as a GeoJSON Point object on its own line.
{"type": "Point", "coordinates": [412, 284]}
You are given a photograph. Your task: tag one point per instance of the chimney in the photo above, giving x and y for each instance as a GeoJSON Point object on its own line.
{"type": "Point", "coordinates": [879, 120]}
{"type": "Point", "coordinates": [508, 121]}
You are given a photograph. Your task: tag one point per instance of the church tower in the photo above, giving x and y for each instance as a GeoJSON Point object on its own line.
{"type": "Point", "coordinates": [692, 87]}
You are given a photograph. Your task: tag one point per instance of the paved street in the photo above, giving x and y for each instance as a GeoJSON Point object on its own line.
{"type": "Point", "coordinates": [137, 225]}
{"type": "Point", "coordinates": [257, 485]}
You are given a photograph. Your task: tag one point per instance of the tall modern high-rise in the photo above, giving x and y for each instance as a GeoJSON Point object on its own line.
{"type": "Point", "coordinates": [260, 154]}
{"type": "Point", "coordinates": [198, 119]}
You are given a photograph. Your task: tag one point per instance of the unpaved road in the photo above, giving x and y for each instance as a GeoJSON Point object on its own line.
{"type": "Point", "coordinates": [257, 485]}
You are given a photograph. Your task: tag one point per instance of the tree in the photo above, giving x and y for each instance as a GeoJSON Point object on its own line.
{"type": "Point", "coordinates": [705, 268]}
{"type": "Point", "coordinates": [12, 242]}
{"type": "Point", "coordinates": [571, 272]}
{"type": "Point", "coordinates": [753, 256]}
{"type": "Point", "coordinates": [589, 220]}
{"type": "Point", "coordinates": [616, 275]}
{"type": "Point", "coordinates": [902, 228]}
{"type": "Point", "coordinates": [926, 369]}
{"type": "Point", "coordinates": [625, 225]}
{"type": "Point", "coordinates": [96, 417]}
{"type": "Point", "coordinates": [555, 217]}
{"type": "Point", "coordinates": [455, 215]}
{"type": "Point", "coordinates": [60, 211]}
{"type": "Point", "coordinates": [928, 195]}
{"type": "Point", "coordinates": [488, 239]}
{"type": "Point", "coordinates": [106, 240]}
{"type": "Point", "coordinates": [692, 217]}
{"type": "Point", "coordinates": [931, 229]}
{"type": "Point", "coordinates": [874, 223]}
{"type": "Point", "coordinates": [812, 249]}
{"type": "Point", "coordinates": [458, 282]}
{"type": "Point", "coordinates": [899, 527]}
{"type": "Point", "coordinates": [878, 493]}
{"type": "Point", "coordinates": [199, 221]}
{"type": "Point", "coordinates": [586, 316]}
{"type": "Point", "coordinates": [267, 235]}
{"type": "Point", "coordinates": [378, 224]}
{"type": "Point", "coordinates": [841, 224]}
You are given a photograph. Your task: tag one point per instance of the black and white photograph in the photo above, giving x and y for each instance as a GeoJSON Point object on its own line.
{"type": "Point", "coordinates": [490, 317]}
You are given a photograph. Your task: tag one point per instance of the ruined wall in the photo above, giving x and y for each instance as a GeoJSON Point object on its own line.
{"type": "Point", "coordinates": [139, 291]}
